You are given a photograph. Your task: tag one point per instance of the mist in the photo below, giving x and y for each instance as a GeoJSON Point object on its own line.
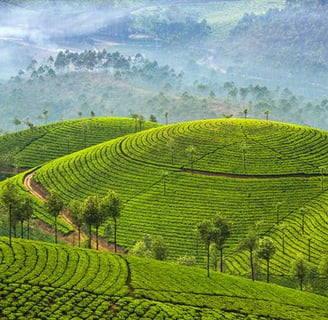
{"type": "Point", "coordinates": [212, 65]}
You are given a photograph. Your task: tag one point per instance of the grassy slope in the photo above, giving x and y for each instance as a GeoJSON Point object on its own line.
{"type": "Point", "coordinates": [44, 281]}
{"type": "Point", "coordinates": [133, 166]}
{"type": "Point", "coordinates": [30, 148]}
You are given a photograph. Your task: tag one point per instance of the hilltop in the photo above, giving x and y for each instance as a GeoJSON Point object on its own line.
{"type": "Point", "coordinates": [261, 175]}
{"type": "Point", "coordinates": [45, 281]}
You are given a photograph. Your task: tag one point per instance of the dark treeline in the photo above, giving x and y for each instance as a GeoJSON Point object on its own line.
{"type": "Point", "coordinates": [294, 38]}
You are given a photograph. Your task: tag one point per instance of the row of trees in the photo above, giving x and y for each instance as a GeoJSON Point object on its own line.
{"type": "Point", "coordinates": [19, 207]}
{"type": "Point", "coordinates": [91, 212]}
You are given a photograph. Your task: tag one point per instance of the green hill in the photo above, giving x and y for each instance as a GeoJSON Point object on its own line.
{"type": "Point", "coordinates": [32, 147]}
{"type": "Point", "coordinates": [257, 173]}
{"type": "Point", "coordinates": [45, 281]}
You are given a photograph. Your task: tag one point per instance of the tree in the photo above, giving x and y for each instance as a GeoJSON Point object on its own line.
{"type": "Point", "coordinates": [266, 249]}
{"type": "Point", "coordinates": [221, 234]}
{"type": "Point", "coordinates": [171, 145]}
{"type": "Point", "coordinates": [165, 174]}
{"type": "Point", "coordinates": [282, 229]}
{"type": "Point", "coordinates": [152, 118]}
{"type": "Point", "coordinates": [245, 113]}
{"type": "Point", "coordinates": [250, 243]}
{"type": "Point", "coordinates": [9, 200]}
{"type": "Point", "coordinates": [205, 231]}
{"type": "Point", "coordinates": [266, 112]}
{"type": "Point", "coordinates": [24, 213]}
{"type": "Point", "coordinates": [278, 205]}
{"type": "Point", "coordinates": [191, 150]}
{"type": "Point", "coordinates": [299, 269]}
{"type": "Point", "coordinates": [140, 250]}
{"type": "Point", "coordinates": [76, 214]}
{"type": "Point", "coordinates": [112, 206]}
{"type": "Point", "coordinates": [90, 212]}
{"type": "Point", "coordinates": [45, 113]}
{"type": "Point", "coordinates": [214, 256]}
{"type": "Point", "coordinates": [54, 205]}
{"type": "Point", "coordinates": [159, 248]}
{"type": "Point", "coordinates": [166, 114]}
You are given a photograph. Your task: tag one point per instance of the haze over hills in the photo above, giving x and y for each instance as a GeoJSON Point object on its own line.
{"type": "Point", "coordinates": [218, 65]}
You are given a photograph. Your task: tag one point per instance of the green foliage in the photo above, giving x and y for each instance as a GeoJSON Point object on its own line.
{"type": "Point", "coordinates": [300, 269]}
{"type": "Point", "coordinates": [187, 260]}
{"type": "Point", "coordinates": [58, 282]}
{"type": "Point", "coordinates": [282, 164]}
{"type": "Point", "coordinates": [31, 148]}
{"type": "Point", "coordinates": [159, 248]}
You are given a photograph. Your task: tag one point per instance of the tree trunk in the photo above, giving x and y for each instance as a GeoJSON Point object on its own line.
{"type": "Point", "coordinates": [22, 230]}
{"type": "Point", "coordinates": [221, 259]}
{"type": "Point", "coordinates": [115, 249]}
{"type": "Point", "coordinates": [97, 243]}
{"type": "Point", "coordinates": [28, 228]}
{"type": "Point", "coordinates": [55, 229]}
{"type": "Point", "coordinates": [79, 235]}
{"type": "Point", "coordinates": [252, 264]}
{"type": "Point", "coordinates": [10, 224]}
{"type": "Point", "coordinates": [208, 259]}
{"type": "Point", "coordinates": [268, 270]}
{"type": "Point", "coordinates": [89, 239]}
{"type": "Point", "coordinates": [15, 233]}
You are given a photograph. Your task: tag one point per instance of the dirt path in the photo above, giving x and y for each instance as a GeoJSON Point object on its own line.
{"type": "Point", "coordinates": [37, 190]}
{"type": "Point", "coordinates": [252, 176]}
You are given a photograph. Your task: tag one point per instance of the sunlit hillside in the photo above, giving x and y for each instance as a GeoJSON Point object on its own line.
{"type": "Point", "coordinates": [44, 281]}
{"type": "Point", "coordinates": [263, 176]}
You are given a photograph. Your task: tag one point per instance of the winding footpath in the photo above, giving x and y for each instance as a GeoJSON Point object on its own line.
{"type": "Point", "coordinates": [72, 237]}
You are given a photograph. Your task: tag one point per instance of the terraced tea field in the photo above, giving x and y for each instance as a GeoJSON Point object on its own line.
{"type": "Point", "coordinates": [45, 281]}
{"type": "Point", "coordinates": [256, 173]}
{"type": "Point", "coordinates": [32, 147]}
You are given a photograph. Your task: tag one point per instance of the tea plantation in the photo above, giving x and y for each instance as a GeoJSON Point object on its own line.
{"type": "Point", "coordinates": [34, 146]}
{"type": "Point", "coordinates": [46, 281]}
{"type": "Point", "coordinates": [259, 174]}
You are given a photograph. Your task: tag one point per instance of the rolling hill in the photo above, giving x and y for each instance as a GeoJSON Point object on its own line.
{"type": "Point", "coordinates": [46, 281]}
{"type": "Point", "coordinates": [32, 147]}
{"type": "Point", "coordinates": [261, 175]}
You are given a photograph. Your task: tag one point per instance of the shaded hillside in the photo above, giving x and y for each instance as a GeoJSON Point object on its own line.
{"type": "Point", "coordinates": [167, 189]}
{"type": "Point", "coordinates": [45, 281]}
{"type": "Point", "coordinates": [292, 39]}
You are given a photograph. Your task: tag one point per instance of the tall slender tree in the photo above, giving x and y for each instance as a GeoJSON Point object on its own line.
{"type": "Point", "coordinates": [112, 206]}
{"type": "Point", "coordinates": [9, 199]}
{"type": "Point", "coordinates": [76, 214]}
{"type": "Point", "coordinates": [91, 207]}
{"type": "Point", "coordinates": [300, 269]}
{"type": "Point", "coordinates": [250, 243]}
{"type": "Point", "coordinates": [221, 234]}
{"type": "Point", "coordinates": [266, 249]}
{"type": "Point", "coordinates": [54, 205]}
{"type": "Point", "coordinates": [205, 230]}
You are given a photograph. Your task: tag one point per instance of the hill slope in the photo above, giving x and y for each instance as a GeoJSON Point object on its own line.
{"type": "Point", "coordinates": [257, 173]}
{"type": "Point", "coordinates": [31, 147]}
{"type": "Point", "coordinates": [44, 281]}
